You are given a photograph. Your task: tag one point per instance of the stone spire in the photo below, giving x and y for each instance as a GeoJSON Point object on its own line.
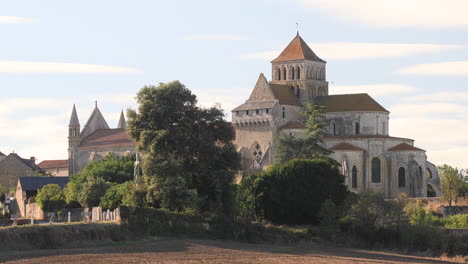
{"type": "Point", "coordinates": [122, 122]}
{"type": "Point", "coordinates": [74, 118]}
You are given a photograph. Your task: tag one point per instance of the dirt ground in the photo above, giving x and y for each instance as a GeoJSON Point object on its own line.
{"type": "Point", "coordinates": [200, 251]}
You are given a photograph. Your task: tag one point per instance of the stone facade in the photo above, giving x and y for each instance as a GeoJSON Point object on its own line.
{"type": "Point", "coordinates": [13, 166]}
{"type": "Point", "coordinates": [96, 140]}
{"type": "Point", "coordinates": [357, 128]}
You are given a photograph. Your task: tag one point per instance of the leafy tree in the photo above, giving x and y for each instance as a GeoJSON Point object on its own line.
{"type": "Point", "coordinates": [188, 154]}
{"type": "Point", "coordinates": [452, 183]}
{"type": "Point", "coordinates": [112, 198]}
{"type": "Point", "coordinates": [92, 191]}
{"type": "Point", "coordinates": [305, 146]}
{"type": "Point", "coordinates": [50, 198]}
{"type": "Point", "coordinates": [292, 193]}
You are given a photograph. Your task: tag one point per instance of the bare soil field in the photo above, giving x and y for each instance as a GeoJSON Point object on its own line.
{"type": "Point", "coordinates": [201, 251]}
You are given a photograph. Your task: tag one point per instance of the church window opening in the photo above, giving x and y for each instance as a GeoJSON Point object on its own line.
{"type": "Point", "coordinates": [375, 170]}
{"type": "Point", "coordinates": [278, 74]}
{"type": "Point", "coordinates": [257, 111]}
{"type": "Point", "coordinates": [284, 73]}
{"type": "Point", "coordinates": [420, 176]}
{"type": "Point", "coordinates": [284, 112]}
{"type": "Point", "coordinates": [257, 156]}
{"type": "Point", "coordinates": [357, 128]}
{"type": "Point", "coordinates": [267, 110]}
{"type": "Point", "coordinates": [401, 177]}
{"type": "Point", "coordinates": [298, 73]}
{"type": "Point", "coordinates": [292, 73]}
{"type": "Point", "coordinates": [247, 112]}
{"type": "Point", "coordinates": [333, 128]}
{"type": "Point", "coordinates": [354, 177]}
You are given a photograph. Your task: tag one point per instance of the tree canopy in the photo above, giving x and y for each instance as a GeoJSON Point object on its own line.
{"type": "Point", "coordinates": [188, 156]}
{"type": "Point", "coordinates": [50, 198]}
{"type": "Point", "coordinates": [452, 183]}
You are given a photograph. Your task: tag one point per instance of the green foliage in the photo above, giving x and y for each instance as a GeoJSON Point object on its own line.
{"type": "Point", "coordinates": [188, 155]}
{"type": "Point", "coordinates": [114, 195]}
{"type": "Point", "coordinates": [455, 221]}
{"type": "Point", "coordinates": [291, 193]}
{"type": "Point", "coordinates": [368, 211]}
{"type": "Point", "coordinates": [418, 216]}
{"type": "Point", "coordinates": [306, 146]}
{"type": "Point", "coordinates": [88, 186]}
{"type": "Point", "coordinates": [452, 183]}
{"type": "Point", "coordinates": [328, 216]}
{"type": "Point", "coordinates": [50, 198]}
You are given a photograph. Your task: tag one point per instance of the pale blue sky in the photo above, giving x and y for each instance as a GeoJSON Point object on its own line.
{"type": "Point", "coordinates": [56, 53]}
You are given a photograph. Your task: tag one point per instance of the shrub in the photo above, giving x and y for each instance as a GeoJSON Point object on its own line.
{"type": "Point", "coordinates": [50, 198]}
{"type": "Point", "coordinates": [456, 221]}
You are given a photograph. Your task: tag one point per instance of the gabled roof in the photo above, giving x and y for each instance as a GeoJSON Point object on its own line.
{"type": "Point", "coordinates": [108, 138]}
{"type": "Point", "coordinates": [265, 95]}
{"type": "Point", "coordinates": [74, 118]}
{"type": "Point", "coordinates": [350, 103]}
{"type": "Point", "coordinates": [363, 137]}
{"type": "Point", "coordinates": [343, 146]}
{"type": "Point", "coordinates": [1, 154]}
{"type": "Point", "coordinates": [47, 164]}
{"type": "Point", "coordinates": [96, 121]}
{"type": "Point", "coordinates": [293, 125]}
{"type": "Point", "coordinates": [297, 50]}
{"type": "Point", "coordinates": [26, 162]}
{"type": "Point", "coordinates": [36, 183]}
{"type": "Point", "coordinates": [405, 147]}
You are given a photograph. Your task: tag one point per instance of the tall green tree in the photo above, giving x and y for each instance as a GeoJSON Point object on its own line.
{"type": "Point", "coordinates": [50, 198]}
{"type": "Point", "coordinates": [452, 182]}
{"type": "Point", "coordinates": [188, 156]}
{"type": "Point", "coordinates": [305, 146]}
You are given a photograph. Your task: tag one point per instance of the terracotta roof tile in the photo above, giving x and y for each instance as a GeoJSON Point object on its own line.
{"type": "Point", "coordinates": [350, 102]}
{"type": "Point", "coordinates": [363, 137]}
{"type": "Point", "coordinates": [46, 164]}
{"type": "Point", "coordinates": [108, 138]}
{"type": "Point", "coordinates": [297, 50]}
{"type": "Point", "coordinates": [405, 147]}
{"type": "Point", "coordinates": [346, 146]}
{"type": "Point", "coordinates": [284, 95]}
{"type": "Point", "coordinates": [293, 125]}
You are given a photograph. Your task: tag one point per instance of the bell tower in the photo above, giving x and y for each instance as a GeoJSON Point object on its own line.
{"type": "Point", "coordinates": [303, 71]}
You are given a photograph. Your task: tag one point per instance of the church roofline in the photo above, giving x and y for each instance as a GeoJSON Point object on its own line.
{"type": "Point", "coordinates": [297, 49]}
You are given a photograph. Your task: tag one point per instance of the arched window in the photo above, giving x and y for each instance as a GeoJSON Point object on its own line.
{"type": "Point", "coordinates": [401, 177]}
{"type": "Point", "coordinates": [420, 176]}
{"type": "Point", "coordinates": [284, 112]}
{"type": "Point", "coordinates": [375, 170]}
{"type": "Point", "coordinates": [278, 77]}
{"type": "Point", "coordinates": [284, 73]}
{"type": "Point", "coordinates": [357, 129]}
{"type": "Point", "coordinates": [292, 73]}
{"type": "Point", "coordinates": [311, 75]}
{"type": "Point", "coordinates": [354, 177]}
{"type": "Point", "coordinates": [298, 73]}
{"type": "Point", "coordinates": [333, 128]}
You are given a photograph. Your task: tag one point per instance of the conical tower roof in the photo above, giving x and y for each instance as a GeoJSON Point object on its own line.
{"type": "Point", "coordinates": [297, 50]}
{"type": "Point", "coordinates": [122, 122]}
{"type": "Point", "coordinates": [74, 118]}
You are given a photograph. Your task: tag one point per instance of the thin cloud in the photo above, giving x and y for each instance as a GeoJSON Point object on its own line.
{"type": "Point", "coordinates": [363, 50]}
{"type": "Point", "coordinates": [425, 109]}
{"type": "Point", "coordinates": [450, 96]}
{"type": "Point", "coordinates": [449, 68]}
{"type": "Point", "coordinates": [8, 66]}
{"type": "Point", "coordinates": [395, 13]}
{"type": "Point", "coordinates": [375, 90]}
{"type": "Point", "coordinates": [15, 20]}
{"type": "Point", "coordinates": [215, 37]}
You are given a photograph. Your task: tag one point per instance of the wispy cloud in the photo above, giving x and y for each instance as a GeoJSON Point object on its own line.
{"type": "Point", "coordinates": [449, 68]}
{"type": "Point", "coordinates": [425, 109]}
{"type": "Point", "coordinates": [215, 37]}
{"type": "Point", "coordinates": [363, 50]}
{"type": "Point", "coordinates": [395, 13]}
{"type": "Point", "coordinates": [14, 20]}
{"type": "Point", "coordinates": [449, 96]}
{"type": "Point", "coordinates": [375, 90]}
{"type": "Point", "coordinates": [9, 66]}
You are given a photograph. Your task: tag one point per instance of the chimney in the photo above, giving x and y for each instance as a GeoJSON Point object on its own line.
{"type": "Point", "coordinates": [33, 160]}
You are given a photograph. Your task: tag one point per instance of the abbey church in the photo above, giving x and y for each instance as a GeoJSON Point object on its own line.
{"type": "Point", "coordinates": [356, 125]}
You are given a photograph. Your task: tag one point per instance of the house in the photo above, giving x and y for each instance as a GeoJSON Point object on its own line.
{"type": "Point", "coordinates": [13, 166]}
{"type": "Point", "coordinates": [55, 167]}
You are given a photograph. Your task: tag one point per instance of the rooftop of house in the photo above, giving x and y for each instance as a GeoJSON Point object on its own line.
{"type": "Point", "coordinates": [48, 164]}
{"type": "Point", "coordinates": [36, 183]}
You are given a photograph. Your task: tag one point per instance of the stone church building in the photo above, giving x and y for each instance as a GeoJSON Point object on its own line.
{"type": "Point", "coordinates": [95, 140]}
{"type": "Point", "coordinates": [356, 128]}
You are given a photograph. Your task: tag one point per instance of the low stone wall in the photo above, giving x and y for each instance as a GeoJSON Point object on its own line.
{"type": "Point", "coordinates": [453, 210]}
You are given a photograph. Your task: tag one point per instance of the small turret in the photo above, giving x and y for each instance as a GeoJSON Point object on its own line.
{"type": "Point", "coordinates": [73, 140]}
{"type": "Point", "coordinates": [122, 122]}
{"type": "Point", "coordinates": [74, 126]}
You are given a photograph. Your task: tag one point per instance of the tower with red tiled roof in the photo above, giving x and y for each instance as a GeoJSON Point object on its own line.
{"type": "Point", "coordinates": [301, 69]}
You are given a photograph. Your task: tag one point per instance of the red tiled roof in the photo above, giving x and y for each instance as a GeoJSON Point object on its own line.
{"type": "Point", "coordinates": [293, 125]}
{"type": "Point", "coordinates": [108, 138]}
{"type": "Point", "coordinates": [363, 137]}
{"type": "Point", "coordinates": [345, 146]}
{"type": "Point", "coordinates": [46, 164]}
{"type": "Point", "coordinates": [284, 94]}
{"type": "Point", "coordinates": [297, 50]}
{"type": "Point", "coordinates": [405, 147]}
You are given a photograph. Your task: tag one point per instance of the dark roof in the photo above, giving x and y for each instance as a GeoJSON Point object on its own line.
{"type": "Point", "coordinates": [346, 146]}
{"type": "Point", "coordinates": [350, 102]}
{"type": "Point", "coordinates": [108, 138]}
{"type": "Point", "coordinates": [297, 50]}
{"type": "Point", "coordinates": [46, 164]}
{"type": "Point", "coordinates": [405, 147]}
{"type": "Point", "coordinates": [255, 105]}
{"type": "Point", "coordinates": [36, 183]}
{"type": "Point", "coordinates": [293, 125]}
{"type": "Point", "coordinates": [26, 162]}
{"type": "Point", "coordinates": [284, 94]}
